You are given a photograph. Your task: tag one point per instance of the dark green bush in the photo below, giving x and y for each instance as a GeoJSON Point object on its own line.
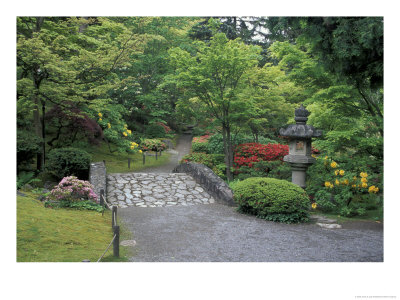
{"type": "Point", "coordinates": [64, 162]}
{"type": "Point", "coordinates": [155, 131]}
{"type": "Point", "coordinates": [28, 145]}
{"type": "Point", "coordinates": [200, 147]}
{"type": "Point", "coordinates": [218, 159]}
{"type": "Point", "coordinates": [272, 199]}
{"type": "Point", "coordinates": [271, 169]}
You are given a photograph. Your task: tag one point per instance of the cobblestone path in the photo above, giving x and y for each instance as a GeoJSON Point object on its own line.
{"type": "Point", "coordinates": [155, 190]}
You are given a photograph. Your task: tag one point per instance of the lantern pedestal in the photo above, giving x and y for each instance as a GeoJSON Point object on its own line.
{"type": "Point", "coordinates": [300, 135]}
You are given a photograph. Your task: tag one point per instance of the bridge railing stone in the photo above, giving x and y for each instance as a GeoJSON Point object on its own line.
{"type": "Point", "coordinates": [213, 184]}
{"type": "Point", "coordinates": [98, 177]}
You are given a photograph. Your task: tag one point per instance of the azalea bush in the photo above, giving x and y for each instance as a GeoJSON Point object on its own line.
{"type": "Point", "coordinates": [152, 145]}
{"type": "Point", "coordinates": [216, 144]}
{"type": "Point", "coordinates": [72, 189]}
{"type": "Point", "coordinates": [250, 153]}
{"type": "Point", "coordinates": [344, 187]}
{"type": "Point", "coordinates": [200, 144]}
{"type": "Point", "coordinates": [115, 130]}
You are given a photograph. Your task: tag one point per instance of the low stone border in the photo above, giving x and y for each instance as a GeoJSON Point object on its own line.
{"type": "Point", "coordinates": [98, 177]}
{"type": "Point", "coordinates": [213, 184]}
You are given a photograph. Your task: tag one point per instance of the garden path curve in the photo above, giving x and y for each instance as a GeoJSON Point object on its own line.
{"type": "Point", "coordinates": [211, 232]}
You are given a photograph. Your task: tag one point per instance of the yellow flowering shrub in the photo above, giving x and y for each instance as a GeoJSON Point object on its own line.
{"type": "Point", "coordinates": [364, 185]}
{"type": "Point", "coordinates": [373, 189]}
{"type": "Point", "coordinates": [334, 164]}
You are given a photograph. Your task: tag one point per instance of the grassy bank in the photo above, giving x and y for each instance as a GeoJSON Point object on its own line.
{"type": "Point", "coordinates": [62, 235]}
{"type": "Point", "coordinates": [117, 162]}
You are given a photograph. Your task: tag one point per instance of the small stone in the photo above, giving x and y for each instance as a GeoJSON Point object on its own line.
{"type": "Point", "coordinates": [329, 226]}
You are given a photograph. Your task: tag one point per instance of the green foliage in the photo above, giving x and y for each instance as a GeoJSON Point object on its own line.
{"type": "Point", "coordinates": [28, 145]}
{"type": "Point", "coordinates": [26, 178]}
{"type": "Point", "coordinates": [152, 145]}
{"type": "Point", "coordinates": [81, 205]}
{"type": "Point", "coordinates": [344, 193]}
{"type": "Point", "coordinates": [272, 199]}
{"type": "Point", "coordinates": [272, 169]}
{"type": "Point", "coordinates": [216, 145]}
{"type": "Point", "coordinates": [155, 131]}
{"type": "Point", "coordinates": [200, 147]}
{"type": "Point", "coordinates": [201, 158]}
{"type": "Point", "coordinates": [69, 161]}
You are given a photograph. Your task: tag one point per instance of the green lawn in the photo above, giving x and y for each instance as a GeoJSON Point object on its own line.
{"type": "Point", "coordinates": [117, 162]}
{"type": "Point", "coordinates": [62, 235]}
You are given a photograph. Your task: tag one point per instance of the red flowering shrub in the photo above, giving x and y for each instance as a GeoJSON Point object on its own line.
{"type": "Point", "coordinates": [248, 154]}
{"type": "Point", "coordinates": [166, 127]}
{"type": "Point", "coordinates": [200, 143]}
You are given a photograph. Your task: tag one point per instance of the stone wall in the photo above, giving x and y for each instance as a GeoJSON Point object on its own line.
{"type": "Point", "coordinates": [214, 185]}
{"type": "Point", "coordinates": [98, 177]}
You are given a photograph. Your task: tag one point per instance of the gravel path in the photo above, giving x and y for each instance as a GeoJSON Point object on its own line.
{"type": "Point", "coordinates": [217, 233]}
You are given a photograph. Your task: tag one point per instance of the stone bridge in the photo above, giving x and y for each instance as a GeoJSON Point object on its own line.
{"type": "Point", "coordinates": [155, 190]}
{"type": "Point", "coordinates": [189, 184]}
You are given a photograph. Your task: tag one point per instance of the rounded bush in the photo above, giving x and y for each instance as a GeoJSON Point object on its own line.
{"type": "Point", "coordinates": [64, 162]}
{"type": "Point", "coordinates": [155, 131]}
{"type": "Point", "coordinates": [272, 199]}
{"type": "Point", "coordinates": [28, 145]}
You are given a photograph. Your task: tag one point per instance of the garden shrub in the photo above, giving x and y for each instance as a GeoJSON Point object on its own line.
{"type": "Point", "coordinates": [26, 178]}
{"type": "Point", "coordinates": [155, 131]}
{"type": "Point", "coordinates": [218, 159]}
{"type": "Point", "coordinates": [28, 145]}
{"type": "Point", "coordinates": [73, 193]}
{"type": "Point", "coordinates": [200, 158]}
{"type": "Point", "coordinates": [216, 144]}
{"type": "Point", "coordinates": [152, 145]}
{"type": "Point", "coordinates": [64, 162]}
{"type": "Point", "coordinates": [250, 153]}
{"type": "Point", "coordinates": [272, 199]}
{"type": "Point", "coordinates": [274, 169]}
{"type": "Point", "coordinates": [167, 129]}
{"type": "Point", "coordinates": [343, 187]}
{"type": "Point", "coordinates": [200, 144]}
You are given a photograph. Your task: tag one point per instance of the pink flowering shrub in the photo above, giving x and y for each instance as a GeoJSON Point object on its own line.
{"type": "Point", "coordinates": [72, 189]}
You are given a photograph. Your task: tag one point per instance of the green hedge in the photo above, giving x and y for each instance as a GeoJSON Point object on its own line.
{"type": "Point", "coordinates": [64, 162]}
{"type": "Point", "coordinates": [272, 199]}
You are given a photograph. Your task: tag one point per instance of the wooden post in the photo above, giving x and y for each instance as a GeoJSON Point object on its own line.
{"type": "Point", "coordinates": [144, 158]}
{"type": "Point", "coordinates": [102, 197]}
{"type": "Point", "coordinates": [104, 162]}
{"type": "Point", "coordinates": [160, 152]}
{"type": "Point", "coordinates": [116, 241]}
{"type": "Point", "coordinates": [129, 163]}
{"type": "Point", "coordinates": [156, 154]}
{"type": "Point", "coordinates": [113, 216]}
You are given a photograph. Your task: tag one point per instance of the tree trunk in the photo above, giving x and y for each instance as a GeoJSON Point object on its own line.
{"type": "Point", "coordinates": [227, 150]}
{"type": "Point", "coordinates": [38, 130]}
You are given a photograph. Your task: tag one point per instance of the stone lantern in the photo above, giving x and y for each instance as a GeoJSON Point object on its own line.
{"type": "Point", "coordinates": [300, 135]}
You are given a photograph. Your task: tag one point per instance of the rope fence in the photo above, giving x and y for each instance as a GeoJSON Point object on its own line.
{"type": "Point", "coordinates": [114, 226]}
